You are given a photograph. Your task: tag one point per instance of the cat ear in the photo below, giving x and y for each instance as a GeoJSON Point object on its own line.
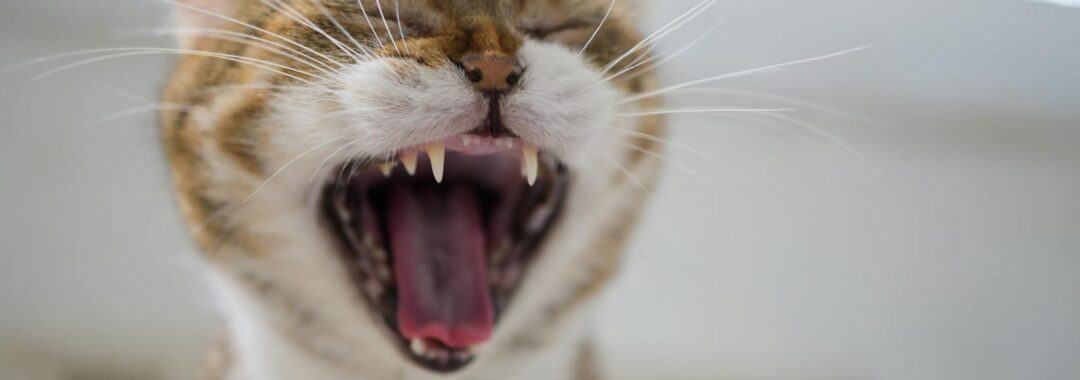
{"type": "Point", "coordinates": [199, 14]}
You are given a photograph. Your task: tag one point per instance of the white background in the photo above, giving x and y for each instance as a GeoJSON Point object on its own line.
{"type": "Point", "coordinates": [953, 254]}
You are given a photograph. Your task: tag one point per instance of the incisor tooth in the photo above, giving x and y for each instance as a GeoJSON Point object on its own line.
{"type": "Point", "coordinates": [437, 154]}
{"type": "Point", "coordinates": [531, 162]}
{"type": "Point", "coordinates": [409, 161]}
{"type": "Point", "coordinates": [387, 168]}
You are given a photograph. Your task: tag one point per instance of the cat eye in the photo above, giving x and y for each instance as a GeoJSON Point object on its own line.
{"type": "Point", "coordinates": [542, 32]}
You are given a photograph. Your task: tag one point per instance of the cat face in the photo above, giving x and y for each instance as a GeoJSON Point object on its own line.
{"type": "Point", "coordinates": [414, 185]}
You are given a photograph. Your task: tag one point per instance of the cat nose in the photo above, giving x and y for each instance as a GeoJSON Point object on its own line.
{"type": "Point", "coordinates": [491, 74]}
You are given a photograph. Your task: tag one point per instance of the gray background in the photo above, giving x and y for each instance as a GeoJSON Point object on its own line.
{"type": "Point", "coordinates": [953, 254]}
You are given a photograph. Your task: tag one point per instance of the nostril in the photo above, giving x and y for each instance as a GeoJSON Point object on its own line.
{"type": "Point", "coordinates": [513, 78]}
{"type": "Point", "coordinates": [475, 75]}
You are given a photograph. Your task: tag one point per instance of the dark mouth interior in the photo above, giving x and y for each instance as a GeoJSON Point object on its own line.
{"type": "Point", "coordinates": [439, 262]}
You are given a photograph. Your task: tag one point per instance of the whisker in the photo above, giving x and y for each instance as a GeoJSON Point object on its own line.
{"type": "Point", "coordinates": [253, 27]}
{"type": "Point", "coordinates": [401, 27]}
{"type": "Point", "coordinates": [689, 149]}
{"type": "Point", "coordinates": [135, 111]}
{"type": "Point", "coordinates": [598, 27]}
{"type": "Point", "coordinates": [677, 165]}
{"type": "Point", "coordinates": [627, 172]}
{"type": "Point", "coordinates": [737, 74]}
{"type": "Point", "coordinates": [368, 19]}
{"type": "Point", "coordinates": [823, 133]}
{"type": "Point", "coordinates": [286, 166]}
{"type": "Point", "coordinates": [270, 66]}
{"type": "Point", "coordinates": [363, 49]}
{"type": "Point", "coordinates": [704, 110]}
{"type": "Point", "coordinates": [664, 60]}
{"type": "Point", "coordinates": [389, 33]}
{"type": "Point", "coordinates": [663, 31]}
{"type": "Point", "coordinates": [241, 38]}
{"type": "Point", "coordinates": [300, 18]}
{"type": "Point", "coordinates": [296, 54]}
{"type": "Point", "coordinates": [785, 99]}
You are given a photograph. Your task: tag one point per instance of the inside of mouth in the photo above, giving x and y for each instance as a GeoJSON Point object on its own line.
{"type": "Point", "coordinates": [439, 261]}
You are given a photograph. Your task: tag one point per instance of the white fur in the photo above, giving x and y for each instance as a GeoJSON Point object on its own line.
{"type": "Point", "coordinates": [294, 313]}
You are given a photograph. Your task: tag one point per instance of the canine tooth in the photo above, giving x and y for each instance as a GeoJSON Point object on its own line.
{"type": "Point", "coordinates": [418, 346]}
{"type": "Point", "coordinates": [466, 140]}
{"type": "Point", "coordinates": [387, 168]}
{"type": "Point", "coordinates": [530, 160]}
{"type": "Point", "coordinates": [409, 161]}
{"type": "Point", "coordinates": [437, 153]}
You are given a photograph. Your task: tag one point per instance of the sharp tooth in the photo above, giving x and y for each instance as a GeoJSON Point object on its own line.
{"type": "Point", "coordinates": [418, 346]}
{"type": "Point", "coordinates": [531, 162]}
{"type": "Point", "coordinates": [387, 168]}
{"type": "Point", "coordinates": [409, 161]}
{"type": "Point", "coordinates": [437, 153]}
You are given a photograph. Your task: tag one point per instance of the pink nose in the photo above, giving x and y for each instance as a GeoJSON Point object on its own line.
{"type": "Point", "coordinates": [491, 73]}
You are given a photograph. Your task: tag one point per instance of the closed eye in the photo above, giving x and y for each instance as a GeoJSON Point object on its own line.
{"type": "Point", "coordinates": [542, 32]}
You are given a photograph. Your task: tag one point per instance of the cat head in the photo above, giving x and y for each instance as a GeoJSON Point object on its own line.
{"type": "Point", "coordinates": [413, 185]}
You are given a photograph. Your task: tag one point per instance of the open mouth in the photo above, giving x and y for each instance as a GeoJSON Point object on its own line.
{"type": "Point", "coordinates": [438, 243]}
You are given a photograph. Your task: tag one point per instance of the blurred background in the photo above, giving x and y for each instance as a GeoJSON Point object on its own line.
{"type": "Point", "coordinates": [916, 217]}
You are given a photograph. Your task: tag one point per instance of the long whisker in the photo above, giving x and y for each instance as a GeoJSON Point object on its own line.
{"type": "Point", "coordinates": [663, 31]}
{"type": "Point", "coordinates": [823, 133]}
{"type": "Point", "coordinates": [247, 25]}
{"type": "Point", "coordinates": [737, 74]}
{"type": "Point", "coordinates": [270, 66]}
{"type": "Point", "coordinates": [622, 168]}
{"type": "Point", "coordinates": [135, 111]}
{"type": "Point", "coordinates": [598, 27]}
{"type": "Point", "coordinates": [704, 110]}
{"type": "Point", "coordinates": [209, 32]}
{"type": "Point", "coordinates": [786, 99]}
{"type": "Point", "coordinates": [368, 19]}
{"type": "Point", "coordinates": [389, 33]}
{"type": "Point", "coordinates": [689, 149]}
{"type": "Point", "coordinates": [401, 27]}
{"type": "Point", "coordinates": [674, 163]}
{"type": "Point", "coordinates": [363, 49]}
{"type": "Point", "coordinates": [243, 39]}
{"type": "Point", "coordinates": [663, 60]}
{"type": "Point", "coordinates": [300, 18]}
{"type": "Point", "coordinates": [286, 166]}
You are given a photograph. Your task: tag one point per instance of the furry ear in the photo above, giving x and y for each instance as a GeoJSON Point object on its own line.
{"type": "Point", "coordinates": [198, 14]}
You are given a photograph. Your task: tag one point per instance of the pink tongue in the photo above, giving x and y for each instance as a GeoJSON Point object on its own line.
{"type": "Point", "coordinates": [438, 243]}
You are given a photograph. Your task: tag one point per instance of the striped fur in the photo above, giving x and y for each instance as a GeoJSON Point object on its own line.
{"type": "Point", "coordinates": [246, 164]}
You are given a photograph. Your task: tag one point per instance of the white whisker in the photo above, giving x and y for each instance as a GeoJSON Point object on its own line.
{"type": "Point", "coordinates": [627, 172]}
{"type": "Point", "coordinates": [736, 75]}
{"type": "Point", "coordinates": [266, 65]}
{"type": "Point", "coordinates": [253, 27]}
{"type": "Point", "coordinates": [286, 166]}
{"type": "Point", "coordinates": [823, 133]}
{"type": "Point", "coordinates": [294, 14]}
{"type": "Point", "coordinates": [243, 39]}
{"type": "Point", "coordinates": [785, 99]}
{"type": "Point", "coordinates": [677, 165]}
{"type": "Point", "coordinates": [598, 27]}
{"type": "Point", "coordinates": [718, 162]}
{"type": "Point", "coordinates": [704, 110]}
{"type": "Point", "coordinates": [389, 33]}
{"type": "Point", "coordinates": [134, 111]}
{"type": "Point", "coordinates": [337, 24]}
{"type": "Point", "coordinates": [665, 59]}
{"type": "Point", "coordinates": [401, 27]}
{"type": "Point", "coordinates": [368, 19]}
{"type": "Point", "coordinates": [663, 31]}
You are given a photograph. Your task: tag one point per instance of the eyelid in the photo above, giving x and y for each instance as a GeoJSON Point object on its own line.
{"type": "Point", "coordinates": [562, 27]}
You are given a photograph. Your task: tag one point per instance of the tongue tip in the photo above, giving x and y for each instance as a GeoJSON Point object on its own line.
{"type": "Point", "coordinates": [453, 337]}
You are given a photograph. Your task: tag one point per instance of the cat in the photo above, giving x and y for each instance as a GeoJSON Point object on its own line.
{"type": "Point", "coordinates": [409, 189]}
